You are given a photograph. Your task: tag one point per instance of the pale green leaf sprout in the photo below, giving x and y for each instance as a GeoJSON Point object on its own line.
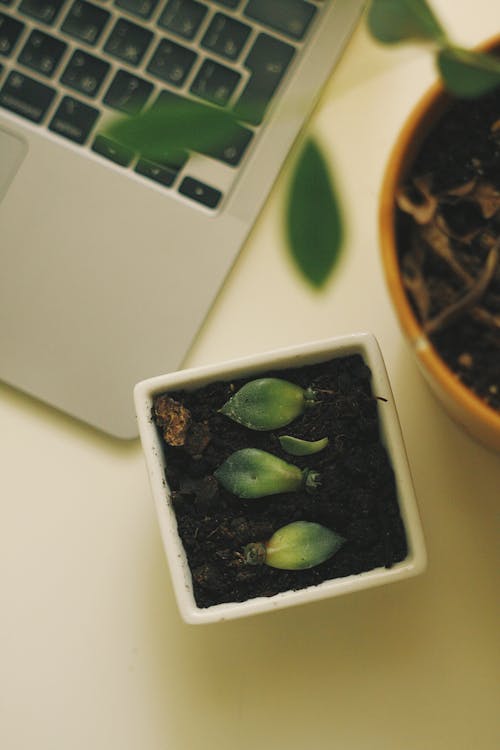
{"type": "Point", "coordinates": [252, 473]}
{"type": "Point", "coordinates": [297, 447]}
{"type": "Point", "coordinates": [298, 546]}
{"type": "Point", "coordinates": [267, 403]}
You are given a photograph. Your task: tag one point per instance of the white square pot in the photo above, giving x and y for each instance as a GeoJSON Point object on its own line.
{"type": "Point", "coordinates": [311, 353]}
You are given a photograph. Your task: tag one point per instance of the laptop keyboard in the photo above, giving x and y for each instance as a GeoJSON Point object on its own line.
{"type": "Point", "coordinates": [68, 65]}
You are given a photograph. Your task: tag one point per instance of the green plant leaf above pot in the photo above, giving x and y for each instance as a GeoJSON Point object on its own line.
{"type": "Point", "coordinates": [168, 129]}
{"type": "Point", "coordinates": [392, 21]}
{"type": "Point", "coordinates": [468, 74]}
{"type": "Point", "coordinates": [297, 546]}
{"type": "Point", "coordinates": [313, 218]}
{"type": "Point", "coordinates": [252, 473]}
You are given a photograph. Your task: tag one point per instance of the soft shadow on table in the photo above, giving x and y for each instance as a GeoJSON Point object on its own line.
{"type": "Point", "coordinates": [294, 675]}
{"type": "Point", "coordinates": [297, 675]}
{"type": "Point", "coordinates": [283, 675]}
{"type": "Point", "coordinates": [32, 408]}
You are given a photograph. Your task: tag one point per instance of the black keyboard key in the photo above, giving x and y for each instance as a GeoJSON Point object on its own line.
{"type": "Point", "coordinates": [74, 119]}
{"type": "Point", "coordinates": [171, 62]}
{"type": "Point", "coordinates": [291, 17]}
{"type": "Point", "coordinates": [10, 31]}
{"type": "Point", "coordinates": [162, 172]}
{"type": "Point", "coordinates": [153, 171]}
{"type": "Point", "coordinates": [113, 151]}
{"type": "Point", "coordinates": [182, 17]}
{"type": "Point", "coordinates": [85, 73]}
{"type": "Point", "coordinates": [42, 53]}
{"type": "Point", "coordinates": [228, 3]}
{"type": "Point", "coordinates": [85, 22]}
{"type": "Point", "coordinates": [215, 83]}
{"type": "Point", "coordinates": [267, 61]}
{"type": "Point", "coordinates": [201, 193]}
{"type": "Point", "coordinates": [128, 93]}
{"type": "Point", "coordinates": [128, 42]}
{"type": "Point", "coordinates": [26, 97]}
{"type": "Point", "coordinates": [174, 160]}
{"type": "Point", "coordinates": [140, 8]}
{"type": "Point", "coordinates": [226, 36]}
{"type": "Point", "coordinates": [236, 140]}
{"type": "Point", "coordinates": [45, 11]}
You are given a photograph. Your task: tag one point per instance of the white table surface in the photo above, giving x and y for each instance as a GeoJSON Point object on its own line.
{"type": "Point", "coordinates": [93, 653]}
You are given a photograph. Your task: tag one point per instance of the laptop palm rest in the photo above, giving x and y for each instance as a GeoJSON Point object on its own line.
{"type": "Point", "coordinates": [12, 152]}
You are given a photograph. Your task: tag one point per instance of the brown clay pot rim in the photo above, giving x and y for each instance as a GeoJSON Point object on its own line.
{"type": "Point", "coordinates": [405, 149]}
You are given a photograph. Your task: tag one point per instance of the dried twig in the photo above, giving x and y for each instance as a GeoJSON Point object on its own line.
{"type": "Point", "coordinates": [422, 209]}
{"type": "Point", "coordinates": [414, 281]}
{"type": "Point", "coordinates": [487, 197]}
{"type": "Point", "coordinates": [454, 311]}
{"type": "Point", "coordinates": [486, 318]}
{"type": "Point", "coordinates": [440, 244]}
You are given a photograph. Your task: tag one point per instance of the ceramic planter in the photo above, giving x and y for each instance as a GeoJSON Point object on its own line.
{"type": "Point", "coordinates": [313, 353]}
{"type": "Point", "coordinates": [480, 420]}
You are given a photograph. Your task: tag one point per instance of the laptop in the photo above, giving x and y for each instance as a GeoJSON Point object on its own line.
{"type": "Point", "coordinates": [110, 262]}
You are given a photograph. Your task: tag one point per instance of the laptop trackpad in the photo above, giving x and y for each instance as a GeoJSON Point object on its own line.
{"type": "Point", "coordinates": [12, 152]}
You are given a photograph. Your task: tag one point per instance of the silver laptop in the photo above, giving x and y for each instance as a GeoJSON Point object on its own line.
{"type": "Point", "coordinates": [109, 262]}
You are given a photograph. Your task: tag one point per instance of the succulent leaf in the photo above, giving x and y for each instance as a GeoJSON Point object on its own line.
{"type": "Point", "coordinates": [266, 404]}
{"type": "Point", "coordinates": [297, 546]}
{"type": "Point", "coordinates": [297, 447]}
{"type": "Point", "coordinates": [251, 473]}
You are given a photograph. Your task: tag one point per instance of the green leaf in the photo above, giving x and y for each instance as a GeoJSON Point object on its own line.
{"type": "Point", "coordinates": [175, 126]}
{"type": "Point", "coordinates": [297, 447]}
{"type": "Point", "coordinates": [266, 403]}
{"type": "Point", "coordinates": [468, 74]}
{"type": "Point", "coordinates": [252, 473]}
{"type": "Point", "coordinates": [392, 21]}
{"type": "Point", "coordinates": [299, 545]}
{"type": "Point", "coordinates": [313, 218]}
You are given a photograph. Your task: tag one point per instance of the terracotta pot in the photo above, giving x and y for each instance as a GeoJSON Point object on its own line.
{"type": "Point", "coordinates": [479, 420]}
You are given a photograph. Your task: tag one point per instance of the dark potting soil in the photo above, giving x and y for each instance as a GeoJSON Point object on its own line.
{"type": "Point", "coordinates": [459, 164]}
{"type": "Point", "coordinates": [357, 497]}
